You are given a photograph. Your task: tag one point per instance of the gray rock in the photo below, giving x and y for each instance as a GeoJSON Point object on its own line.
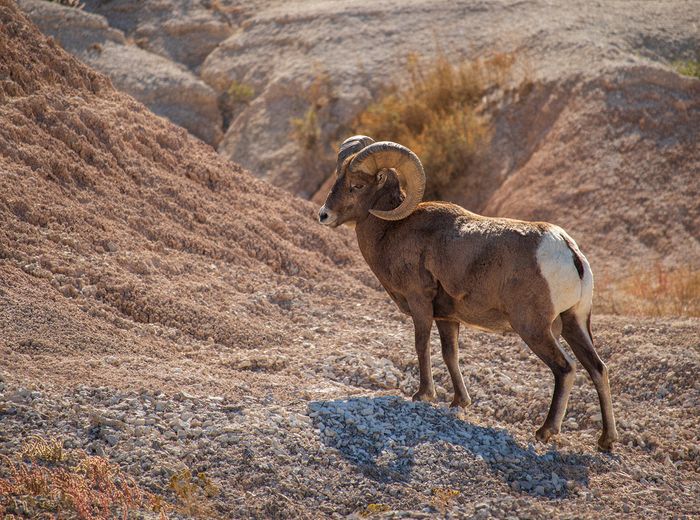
{"type": "Point", "coordinates": [167, 88]}
{"type": "Point", "coordinates": [185, 31]}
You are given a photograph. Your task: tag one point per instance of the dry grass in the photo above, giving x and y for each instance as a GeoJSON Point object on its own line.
{"type": "Point", "coordinates": [193, 493]}
{"type": "Point", "coordinates": [690, 68]}
{"type": "Point", "coordinates": [374, 509]}
{"type": "Point", "coordinates": [46, 481]}
{"type": "Point", "coordinates": [659, 291]}
{"type": "Point", "coordinates": [307, 131]}
{"type": "Point", "coordinates": [442, 498]}
{"type": "Point", "coordinates": [234, 99]}
{"type": "Point", "coordinates": [69, 3]}
{"type": "Point", "coordinates": [435, 113]}
{"type": "Point", "coordinates": [40, 449]}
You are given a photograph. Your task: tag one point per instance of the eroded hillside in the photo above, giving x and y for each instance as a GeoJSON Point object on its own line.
{"type": "Point", "coordinates": [163, 308]}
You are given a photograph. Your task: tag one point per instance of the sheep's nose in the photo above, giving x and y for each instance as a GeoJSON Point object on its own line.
{"type": "Point", "coordinates": [322, 215]}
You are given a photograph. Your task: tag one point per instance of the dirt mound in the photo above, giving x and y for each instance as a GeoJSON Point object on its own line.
{"type": "Point", "coordinates": [121, 215]}
{"type": "Point", "coordinates": [166, 87]}
{"type": "Point", "coordinates": [163, 308]}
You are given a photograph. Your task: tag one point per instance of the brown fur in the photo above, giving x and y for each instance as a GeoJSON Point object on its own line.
{"type": "Point", "coordinates": [445, 264]}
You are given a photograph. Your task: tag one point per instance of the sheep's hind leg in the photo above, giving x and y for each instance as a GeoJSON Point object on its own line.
{"type": "Point", "coordinates": [548, 350]}
{"type": "Point", "coordinates": [449, 334]}
{"type": "Point", "coordinates": [579, 339]}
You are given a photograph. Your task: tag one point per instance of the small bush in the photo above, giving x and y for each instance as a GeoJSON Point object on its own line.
{"type": "Point", "coordinates": [193, 492]}
{"type": "Point", "coordinates": [689, 68]}
{"type": "Point", "coordinates": [237, 96]}
{"type": "Point", "coordinates": [374, 509]}
{"type": "Point", "coordinates": [434, 113]}
{"type": "Point", "coordinates": [68, 3]}
{"type": "Point", "coordinates": [46, 481]}
{"type": "Point", "coordinates": [240, 92]}
{"type": "Point", "coordinates": [47, 450]}
{"type": "Point", "coordinates": [659, 291]}
{"type": "Point", "coordinates": [306, 130]}
{"type": "Point", "coordinates": [442, 498]}
{"type": "Point", "coordinates": [308, 133]}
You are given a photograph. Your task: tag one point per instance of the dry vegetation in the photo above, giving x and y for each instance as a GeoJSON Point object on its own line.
{"type": "Point", "coordinates": [44, 480]}
{"type": "Point", "coordinates": [193, 493]}
{"type": "Point", "coordinates": [435, 113]}
{"type": "Point", "coordinates": [68, 3]}
{"type": "Point", "coordinates": [689, 68]}
{"type": "Point", "coordinates": [315, 145]}
{"type": "Point", "coordinates": [659, 291]}
{"type": "Point", "coordinates": [234, 99]}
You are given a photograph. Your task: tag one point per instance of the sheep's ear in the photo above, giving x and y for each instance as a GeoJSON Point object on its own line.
{"type": "Point", "coordinates": [381, 177]}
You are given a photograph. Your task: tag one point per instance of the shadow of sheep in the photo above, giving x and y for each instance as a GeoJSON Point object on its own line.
{"type": "Point", "coordinates": [381, 436]}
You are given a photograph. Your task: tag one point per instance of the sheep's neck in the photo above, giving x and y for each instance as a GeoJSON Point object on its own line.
{"type": "Point", "coordinates": [371, 231]}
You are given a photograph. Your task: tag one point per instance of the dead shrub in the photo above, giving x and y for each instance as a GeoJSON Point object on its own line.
{"type": "Point", "coordinates": [69, 3]}
{"type": "Point", "coordinates": [44, 480]}
{"type": "Point", "coordinates": [659, 291]}
{"type": "Point", "coordinates": [374, 509]}
{"type": "Point", "coordinates": [234, 99]}
{"type": "Point", "coordinates": [48, 450]}
{"type": "Point", "coordinates": [442, 498]}
{"type": "Point", "coordinates": [307, 131]}
{"type": "Point", "coordinates": [193, 493]}
{"type": "Point", "coordinates": [434, 112]}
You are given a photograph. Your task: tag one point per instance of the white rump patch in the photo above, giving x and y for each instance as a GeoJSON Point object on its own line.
{"type": "Point", "coordinates": [556, 263]}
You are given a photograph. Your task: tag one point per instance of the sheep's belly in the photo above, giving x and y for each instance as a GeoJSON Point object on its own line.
{"type": "Point", "coordinates": [491, 320]}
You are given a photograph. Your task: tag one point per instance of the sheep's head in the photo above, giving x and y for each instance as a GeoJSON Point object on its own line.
{"type": "Point", "coordinates": [362, 170]}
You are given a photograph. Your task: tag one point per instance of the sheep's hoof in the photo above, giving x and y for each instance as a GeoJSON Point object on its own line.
{"type": "Point", "coordinates": [425, 395]}
{"type": "Point", "coordinates": [461, 401]}
{"type": "Point", "coordinates": [606, 441]}
{"type": "Point", "coordinates": [545, 433]}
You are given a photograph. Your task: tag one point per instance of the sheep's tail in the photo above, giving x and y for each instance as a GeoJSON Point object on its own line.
{"type": "Point", "coordinates": [582, 309]}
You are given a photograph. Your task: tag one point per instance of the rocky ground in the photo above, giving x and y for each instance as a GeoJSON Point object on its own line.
{"type": "Point", "coordinates": [345, 435]}
{"type": "Point", "coordinates": [164, 308]}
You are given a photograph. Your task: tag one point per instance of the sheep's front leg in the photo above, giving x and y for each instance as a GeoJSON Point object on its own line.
{"type": "Point", "coordinates": [422, 314]}
{"type": "Point", "coordinates": [449, 334]}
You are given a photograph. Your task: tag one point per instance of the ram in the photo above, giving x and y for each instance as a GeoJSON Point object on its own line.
{"type": "Point", "coordinates": [442, 263]}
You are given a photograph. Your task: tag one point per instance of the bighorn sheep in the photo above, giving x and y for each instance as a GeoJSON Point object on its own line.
{"type": "Point", "coordinates": [442, 263]}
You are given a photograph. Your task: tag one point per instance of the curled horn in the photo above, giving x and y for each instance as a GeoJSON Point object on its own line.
{"type": "Point", "coordinates": [386, 154]}
{"type": "Point", "coordinates": [351, 146]}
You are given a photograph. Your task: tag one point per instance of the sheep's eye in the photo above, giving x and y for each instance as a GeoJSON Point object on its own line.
{"type": "Point", "coordinates": [357, 187]}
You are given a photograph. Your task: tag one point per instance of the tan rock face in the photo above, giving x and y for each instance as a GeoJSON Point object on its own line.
{"type": "Point", "coordinates": [168, 89]}
{"type": "Point", "coordinates": [363, 46]}
{"type": "Point", "coordinates": [589, 143]}
{"type": "Point", "coordinates": [180, 30]}
{"type": "Point", "coordinates": [616, 161]}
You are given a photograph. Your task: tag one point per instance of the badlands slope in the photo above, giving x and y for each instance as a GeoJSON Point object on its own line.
{"type": "Point", "coordinates": [162, 307]}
